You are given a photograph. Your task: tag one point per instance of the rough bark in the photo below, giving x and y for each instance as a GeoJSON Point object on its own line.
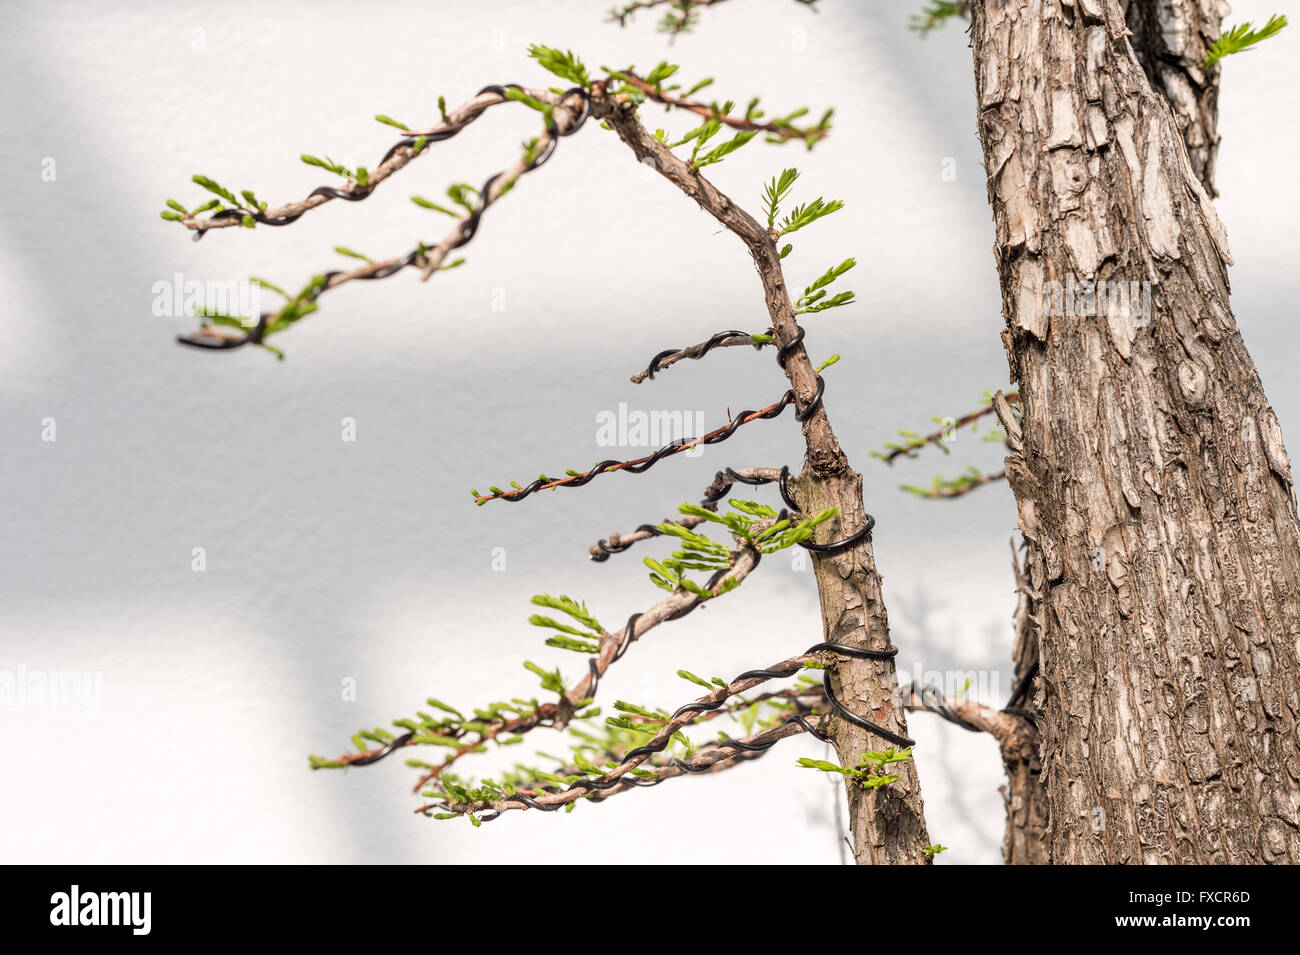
{"type": "Point", "coordinates": [1025, 841]}
{"type": "Point", "coordinates": [888, 825]}
{"type": "Point", "coordinates": [1171, 38]}
{"type": "Point", "coordinates": [1153, 488]}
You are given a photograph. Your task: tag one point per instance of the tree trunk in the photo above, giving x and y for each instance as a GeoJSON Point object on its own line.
{"type": "Point", "coordinates": [1171, 38]}
{"type": "Point", "coordinates": [887, 825]}
{"type": "Point", "coordinates": [1025, 842]}
{"type": "Point", "coordinates": [1153, 488]}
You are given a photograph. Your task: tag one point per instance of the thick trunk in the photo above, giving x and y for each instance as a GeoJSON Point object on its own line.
{"type": "Point", "coordinates": [1170, 39]}
{"type": "Point", "coordinates": [1153, 487]}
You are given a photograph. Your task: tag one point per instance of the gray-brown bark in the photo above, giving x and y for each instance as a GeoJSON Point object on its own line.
{"type": "Point", "coordinates": [1171, 38]}
{"type": "Point", "coordinates": [887, 825]}
{"type": "Point", "coordinates": [1153, 487]}
{"type": "Point", "coordinates": [1025, 841]}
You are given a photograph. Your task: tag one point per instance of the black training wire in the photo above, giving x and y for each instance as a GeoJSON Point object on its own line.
{"type": "Point", "coordinates": [416, 256]}
{"type": "Point", "coordinates": [672, 447]}
{"type": "Point", "coordinates": [844, 711]}
{"type": "Point", "coordinates": [605, 548]}
{"type": "Point", "coordinates": [863, 533]}
{"type": "Point", "coordinates": [386, 750]}
{"type": "Point", "coordinates": [699, 351]}
{"type": "Point", "coordinates": [468, 231]}
{"type": "Point", "coordinates": [741, 747]}
{"type": "Point", "coordinates": [1021, 691]}
{"type": "Point", "coordinates": [628, 635]}
{"type": "Point", "coordinates": [363, 192]}
{"type": "Point", "coordinates": [932, 700]}
{"type": "Point", "coordinates": [744, 752]}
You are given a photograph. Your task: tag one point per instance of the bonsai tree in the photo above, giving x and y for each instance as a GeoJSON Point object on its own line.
{"type": "Point", "coordinates": [1153, 715]}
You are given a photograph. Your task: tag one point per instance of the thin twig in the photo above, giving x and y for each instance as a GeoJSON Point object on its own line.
{"type": "Point", "coordinates": [684, 717]}
{"type": "Point", "coordinates": [780, 130]}
{"type": "Point", "coordinates": [399, 157]}
{"type": "Point", "coordinates": [612, 646]}
{"type": "Point", "coordinates": [916, 444]}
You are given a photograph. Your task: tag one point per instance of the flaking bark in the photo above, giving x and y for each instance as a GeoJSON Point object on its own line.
{"type": "Point", "coordinates": [1153, 487]}
{"type": "Point", "coordinates": [1171, 39]}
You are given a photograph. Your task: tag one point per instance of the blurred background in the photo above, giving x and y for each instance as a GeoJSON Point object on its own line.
{"type": "Point", "coordinates": [330, 561]}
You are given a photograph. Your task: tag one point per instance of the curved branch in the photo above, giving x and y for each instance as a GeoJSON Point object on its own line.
{"type": "Point", "coordinates": [958, 486]}
{"type": "Point", "coordinates": [779, 128]}
{"type": "Point", "coordinates": [637, 465]}
{"type": "Point", "coordinates": [671, 356]}
{"type": "Point", "coordinates": [557, 715]}
{"type": "Point", "coordinates": [685, 715]}
{"type": "Point", "coordinates": [427, 258]}
{"type": "Point", "coordinates": [710, 758]}
{"type": "Point", "coordinates": [722, 483]}
{"type": "Point", "coordinates": [394, 160]}
{"type": "Point", "coordinates": [916, 444]}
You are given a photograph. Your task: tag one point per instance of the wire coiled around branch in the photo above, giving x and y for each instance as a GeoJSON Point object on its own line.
{"type": "Point", "coordinates": [628, 634]}
{"type": "Point", "coordinates": [704, 706]}
{"type": "Point", "coordinates": [742, 751]}
{"type": "Point", "coordinates": [696, 352]}
{"type": "Point", "coordinates": [467, 230]}
{"type": "Point", "coordinates": [364, 191]}
{"type": "Point", "coordinates": [639, 465]}
{"type": "Point", "coordinates": [603, 548]}
{"type": "Point", "coordinates": [932, 700]}
{"type": "Point", "coordinates": [1020, 694]}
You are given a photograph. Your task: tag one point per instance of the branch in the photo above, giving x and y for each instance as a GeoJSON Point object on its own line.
{"type": "Point", "coordinates": [679, 21]}
{"type": "Point", "coordinates": [947, 488]}
{"type": "Point", "coordinates": [885, 829]}
{"type": "Point", "coordinates": [682, 17]}
{"type": "Point", "coordinates": [428, 258]}
{"type": "Point", "coordinates": [722, 483]}
{"type": "Point", "coordinates": [672, 356]}
{"type": "Point", "coordinates": [824, 451]}
{"type": "Point", "coordinates": [710, 758]}
{"type": "Point", "coordinates": [613, 779]}
{"type": "Point", "coordinates": [637, 465]}
{"type": "Point", "coordinates": [938, 13]}
{"type": "Point", "coordinates": [395, 159]}
{"type": "Point", "coordinates": [780, 129]}
{"type": "Point", "coordinates": [936, 438]}
{"type": "Point", "coordinates": [612, 648]}
{"type": "Point", "coordinates": [670, 729]}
